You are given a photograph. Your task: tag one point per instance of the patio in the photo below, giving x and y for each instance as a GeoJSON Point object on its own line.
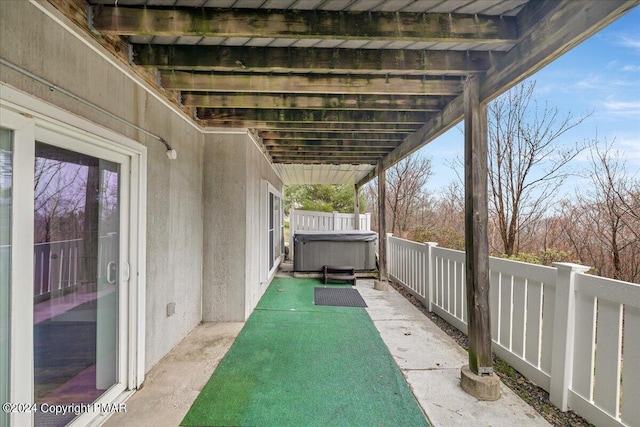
{"type": "Point", "coordinates": [429, 360]}
{"type": "Point", "coordinates": [203, 125]}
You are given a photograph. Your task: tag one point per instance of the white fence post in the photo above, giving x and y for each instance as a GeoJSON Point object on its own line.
{"type": "Point", "coordinates": [336, 222]}
{"type": "Point", "coordinates": [388, 257]}
{"type": "Point", "coordinates": [430, 276]}
{"type": "Point", "coordinates": [563, 333]}
{"type": "Point", "coordinates": [292, 230]}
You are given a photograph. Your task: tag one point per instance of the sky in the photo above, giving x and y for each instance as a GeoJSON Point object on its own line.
{"type": "Point", "coordinates": [601, 77]}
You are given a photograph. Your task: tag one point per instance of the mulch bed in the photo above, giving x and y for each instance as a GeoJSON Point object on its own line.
{"type": "Point", "coordinates": [528, 391]}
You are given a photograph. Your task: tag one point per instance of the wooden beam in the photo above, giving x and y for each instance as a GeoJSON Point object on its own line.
{"type": "Point", "coordinates": [331, 143]}
{"type": "Point", "coordinates": [314, 101]}
{"type": "Point", "coordinates": [550, 28]}
{"type": "Point", "coordinates": [435, 127]}
{"type": "Point", "coordinates": [322, 138]}
{"type": "Point", "coordinates": [382, 221]}
{"type": "Point", "coordinates": [371, 128]}
{"type": "Point", "coordinates": [264, 23]}
{"type": "Point", "coordinates": [544, 40]}
{"type": "Point", "coordinates": [363, 128]}
{"type": "Point", "coordinates": [476, 230]}
{"type": "Point", "coordinates": [329, 154]}
{"type": "Point", "coordinates": [356, 207]}
{"type": "Point", "coordinates": [256, 83]}
{"type": "Point", "coordinates": [305, 60]}
{"type": "Point", "coordinates": [301, 149]}
{"type": "Point", "coordinates": [322, 162]}
{"type": "Point", "coordinates": [331, 160]}
{"type": "Point", "coordinates": [305, 116]}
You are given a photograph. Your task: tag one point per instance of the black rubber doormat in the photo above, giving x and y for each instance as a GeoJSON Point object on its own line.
{"type": "Point", "coordinates": [338, 297]}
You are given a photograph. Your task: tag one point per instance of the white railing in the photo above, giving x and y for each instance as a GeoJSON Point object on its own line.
{"type": "Point", "coordinates": [323, 221]}
{"type": "Point", "coordinates": [567, 331]}
{"type": "Point", "coordinates": [61, 265]}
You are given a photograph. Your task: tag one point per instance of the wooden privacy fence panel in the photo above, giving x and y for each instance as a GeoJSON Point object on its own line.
{"type": "Point", "coordinates": [575, 335]}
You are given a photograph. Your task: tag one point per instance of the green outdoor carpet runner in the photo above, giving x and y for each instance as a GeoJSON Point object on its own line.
{"type": "Point", "coordinates": [299, 364]}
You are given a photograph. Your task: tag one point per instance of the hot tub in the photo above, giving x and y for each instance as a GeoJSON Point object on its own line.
{"type": "Point", "coordinates": [314, 249]}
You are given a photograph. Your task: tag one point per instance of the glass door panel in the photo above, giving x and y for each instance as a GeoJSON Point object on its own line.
{"type": "Point", "coordinates": [6, 178]}
{"type": "Point", "coordinates": [76, 281]}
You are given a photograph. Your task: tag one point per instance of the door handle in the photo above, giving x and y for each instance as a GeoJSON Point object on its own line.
{"type": "Point", "coordinates": [111, 272]}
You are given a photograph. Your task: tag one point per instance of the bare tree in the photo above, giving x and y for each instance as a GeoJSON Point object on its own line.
{"type": "Point", "coordinates": [57, 203]}
{"type": "Point", "coordinates": [630, 199]}
{"type": "Point", "coordinates": [448, 218]}
{"type": "Point", "coordinates": [607, 218]}
{"type": "Point", "coordinates": [407, 200]}
{"type": "Point", "coordinates": [526, 161]}
{"type": "Point", "coordinates": [406, 192]}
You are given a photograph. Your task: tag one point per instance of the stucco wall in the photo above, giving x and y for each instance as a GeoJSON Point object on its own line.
{"type": "Point", "coordinates": [260, 170]}
{"type": "Point", "coordinates": [225, 227]}
{"type": "Point", "coordinates": [234, 170]}
{"type": "Point", "coordinates": [34, 41]}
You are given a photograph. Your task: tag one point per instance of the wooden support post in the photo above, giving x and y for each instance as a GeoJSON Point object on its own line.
{"type": "Point", "coordinates": [476, 222]}
{"type": "Point", "coordinates": [382, 224]}
{"type": "Point", "coordinates": [356, 207]}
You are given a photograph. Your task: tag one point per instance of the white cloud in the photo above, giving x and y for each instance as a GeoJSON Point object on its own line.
{"type": "Point", "coordinates": [630, 146]}
{"type": "Point", "coordinates": [612, 65]}
{"type": "Point", "coordinates": [624, 145]}
{"type": "Point", "coordinates": [591, 82]}
{"type": "Point", "coordinates": [624, 108]}
{"type": "Point", "coordinates": [631, 68]}
{"type": "Point", "coordinates": [607, 83]}
{"type": "Point", "coordinates": [628, 41]}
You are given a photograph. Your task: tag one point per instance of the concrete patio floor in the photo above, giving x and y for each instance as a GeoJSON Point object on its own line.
{"type": "Point", "coordinates": [429, 359]}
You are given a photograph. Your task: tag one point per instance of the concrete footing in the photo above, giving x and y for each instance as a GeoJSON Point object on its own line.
{"type": "Point", "coordinates": [381, 285]}
{"type": "Point", "coordinates": [482, 387]}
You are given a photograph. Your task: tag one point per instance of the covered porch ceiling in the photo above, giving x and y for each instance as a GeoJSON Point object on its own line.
{"type": "Point", "coordinates": [331, 88]}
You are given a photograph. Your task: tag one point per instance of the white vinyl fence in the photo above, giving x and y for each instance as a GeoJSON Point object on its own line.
{"type": "Point", "coordinates": [323, 221]}
{"type": "Point", "coordinates": [60, 265]}
{"type": "Point", "coordinates": [569, 332]}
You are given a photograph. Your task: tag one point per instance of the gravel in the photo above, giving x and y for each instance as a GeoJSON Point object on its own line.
{"type": "Point", "coordinates": [528, 391]}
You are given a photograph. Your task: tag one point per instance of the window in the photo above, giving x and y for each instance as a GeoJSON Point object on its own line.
{"type": "Point", "coordinates": [275, 228]}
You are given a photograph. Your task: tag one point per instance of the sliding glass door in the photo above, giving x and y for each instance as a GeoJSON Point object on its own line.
{"type": "Point", "coordinates": [76, 280]}
{"type": "Point", "coordinates": [69, 311]}
{"type": "Point", "coordinates": [6, 178]}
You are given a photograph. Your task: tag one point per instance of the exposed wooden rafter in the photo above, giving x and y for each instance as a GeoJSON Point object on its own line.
{"type": "Point", "coordinates": [558, 35]}
{"type": "Point", "coordinates": [327, 151]}
{"type": "Point", "coordinates": [320, 86]}
{"type": "Point", "coordinates": [331, 137]}
{"type": "Point", "coordinates": [300, 24]}
{"type": "Point", "coordinates": [321, 61]}
{"type": "Point", "coordinates": [334, 159]}
{"type": "Point", "coordinates": [326, 84]}
{"type": "Point", "coordinates": [315, 101]}
{"type": "Point", "coordinates": [364, 128]}
{"type": "Point", "coordinates": [309, 116]}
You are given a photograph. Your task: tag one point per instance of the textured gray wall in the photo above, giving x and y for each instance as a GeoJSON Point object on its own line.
{"type": "Point", "coordinates": [225, 230]}
{"type": "Point", "coordinates": [259, 169]}
{"type": "Point", "coordinates": [35, 42]}
{"type": "Point", "coordinates": [233, 172]}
